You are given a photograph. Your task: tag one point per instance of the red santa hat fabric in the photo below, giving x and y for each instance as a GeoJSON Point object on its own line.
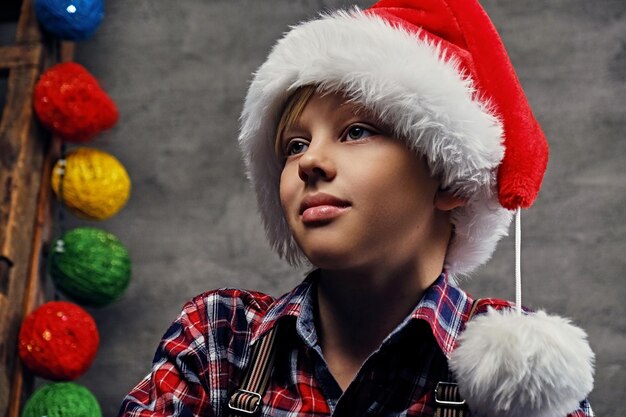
{"type": "Point", "coordinates": [437, 72]}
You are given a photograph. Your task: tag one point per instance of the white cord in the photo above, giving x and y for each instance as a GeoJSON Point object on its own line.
{"type": "Point", "coordinates": [518, 266]}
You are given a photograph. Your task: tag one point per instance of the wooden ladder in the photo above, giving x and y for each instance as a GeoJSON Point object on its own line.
{"type": "Point", "coordinates": [27, 154]}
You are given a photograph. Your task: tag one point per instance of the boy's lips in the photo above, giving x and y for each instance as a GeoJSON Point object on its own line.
{"type": "Point", "coordinates": [321, 207]}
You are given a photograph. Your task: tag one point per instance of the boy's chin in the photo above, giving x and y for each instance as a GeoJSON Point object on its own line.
{"type": "Point", "coordinates": [335, 260]}
{"type": "Point", "coordinates": [326, 260]}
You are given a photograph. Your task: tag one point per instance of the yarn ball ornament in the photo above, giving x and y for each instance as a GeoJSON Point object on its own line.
{"type": "Point", "coordinates": [58, 341]}
{"type": "Point", "coordinates": [74, 20]}
{"type": "Point", "coordinates": [90, 266]}
{"type": "Point", "coordinates": [62, 399]}
{"type": "Point", "coordinates": [95, 184]}
{"type": "Point", "coordinates": [71, 104]}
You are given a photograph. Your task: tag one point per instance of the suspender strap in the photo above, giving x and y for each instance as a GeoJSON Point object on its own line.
{"type": "Point", "coordinates": [246, 401]}
{"type": "Point", "coordinates": [448, 401]}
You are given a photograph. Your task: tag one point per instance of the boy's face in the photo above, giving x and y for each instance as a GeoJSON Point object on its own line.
{"type": "Point", "coordinates": [353, 195]}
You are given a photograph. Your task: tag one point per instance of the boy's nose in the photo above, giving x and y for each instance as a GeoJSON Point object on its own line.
{"type": "Point", "coordinates": [317, 163]}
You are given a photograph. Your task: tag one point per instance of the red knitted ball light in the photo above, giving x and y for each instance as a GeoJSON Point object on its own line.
{"type": "Point", "coordinates": [69, 102]}
{"type": "Point", "coordinates": [58, 341]}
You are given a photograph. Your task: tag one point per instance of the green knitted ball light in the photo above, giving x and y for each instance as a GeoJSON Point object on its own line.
{"type": "Point", "coordinates": [62, 399]}
{"type": "Point", "coordinates": [90, 266]}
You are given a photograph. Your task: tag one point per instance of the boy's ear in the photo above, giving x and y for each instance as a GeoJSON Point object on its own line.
{"type": "Point", "coordinates": [446, 200]}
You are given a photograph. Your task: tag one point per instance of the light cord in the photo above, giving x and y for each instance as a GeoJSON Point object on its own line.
{"type": "Point", "coordinates": [60, 245]}
{"type": "Point", "coordinates": [518, 256]}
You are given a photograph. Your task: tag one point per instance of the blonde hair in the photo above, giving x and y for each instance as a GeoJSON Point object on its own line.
{"type": "Point", "coordinates": [291, 113]}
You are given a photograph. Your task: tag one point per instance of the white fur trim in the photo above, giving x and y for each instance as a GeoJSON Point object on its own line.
{"type": "Point", "coordinates": [478, 226]}
{"type": "Point", "coordinates": [518, 366]}
{"type": "Point", "coordinates": [409, 83]}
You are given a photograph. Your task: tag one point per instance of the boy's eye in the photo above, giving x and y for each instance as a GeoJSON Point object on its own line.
{"type": "Point", "coordinates": [296, 146]}
{"type": "Point", "coordinates": [359, 132]}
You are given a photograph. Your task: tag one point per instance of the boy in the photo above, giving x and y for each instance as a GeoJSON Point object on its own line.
{"type": "Point", "coordinates": [386, 148]}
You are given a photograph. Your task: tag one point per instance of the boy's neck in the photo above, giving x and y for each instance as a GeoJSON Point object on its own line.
{"type": "Point", "coordinates": [358, 309]}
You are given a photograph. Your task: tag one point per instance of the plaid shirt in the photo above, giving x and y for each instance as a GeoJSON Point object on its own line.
{"type": "Point", "coordinates": [202, 356]}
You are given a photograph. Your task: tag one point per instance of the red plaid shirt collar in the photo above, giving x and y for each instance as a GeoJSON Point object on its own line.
{"type": "Point", "coordinates": [444, 306]}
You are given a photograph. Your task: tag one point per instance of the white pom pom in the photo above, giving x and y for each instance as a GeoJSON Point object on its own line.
{"type": "Point", "coordinates": [510, 365]}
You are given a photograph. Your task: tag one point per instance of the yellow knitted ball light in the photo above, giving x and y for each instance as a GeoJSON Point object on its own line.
{"type": "Point", "coordinates": [95, 184]}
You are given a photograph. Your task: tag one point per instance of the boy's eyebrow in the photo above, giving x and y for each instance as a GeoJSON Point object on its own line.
{"type": "Point", "coordinates": [295, 125]}
{"type": "Point", "coordinates": [353, 108]}
{"type": "Point", "coordinates": [292, 128]}
{"type": "Point", "coordinates": [366, 115]}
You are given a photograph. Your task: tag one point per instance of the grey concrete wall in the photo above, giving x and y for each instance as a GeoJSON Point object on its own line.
{"type": "Point", "coordinates": [178, 72]}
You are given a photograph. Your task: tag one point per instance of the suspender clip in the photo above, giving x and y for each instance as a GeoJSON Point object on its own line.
{"type": "Point", "coordinates": [243, 401]}
{"type": "Point", "coordinates": [447, 393]}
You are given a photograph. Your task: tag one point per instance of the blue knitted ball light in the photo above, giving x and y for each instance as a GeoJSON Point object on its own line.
{"type": "Point", "coordinates": [73, 20]}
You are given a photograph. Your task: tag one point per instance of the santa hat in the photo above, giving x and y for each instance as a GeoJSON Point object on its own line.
{"type": "Point", "coordinates": [437, 73]}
